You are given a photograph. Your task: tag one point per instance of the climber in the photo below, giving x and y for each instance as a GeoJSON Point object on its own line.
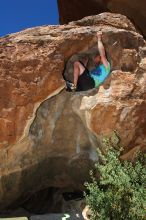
{"type": "Point", "coordinates": [85, 79]}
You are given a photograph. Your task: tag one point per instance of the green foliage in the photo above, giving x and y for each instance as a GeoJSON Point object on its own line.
{"type": "Point", "coordinates": [119, 193]}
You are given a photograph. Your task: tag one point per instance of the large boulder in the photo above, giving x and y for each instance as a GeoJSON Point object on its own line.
{"type": "Point", "coordinates": [49, 136]}
{"type": "Point", "coordinates": [75, 10]}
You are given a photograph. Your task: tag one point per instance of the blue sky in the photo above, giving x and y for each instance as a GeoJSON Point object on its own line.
{"type": "Point", "coordinates": [16, 15]}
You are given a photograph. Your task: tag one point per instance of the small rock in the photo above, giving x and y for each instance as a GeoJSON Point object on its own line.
{"type": "Point", "coordinates": [76, 216]}
{"type": "Point", "coordinates": [15, 218]}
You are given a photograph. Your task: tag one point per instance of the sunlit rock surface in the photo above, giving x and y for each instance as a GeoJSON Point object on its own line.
{"type": "Point", "coordinates": [49, 136]}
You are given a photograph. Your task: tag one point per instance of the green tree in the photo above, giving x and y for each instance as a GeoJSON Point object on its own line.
{"type": "Point", "coordinates": [119, 193]}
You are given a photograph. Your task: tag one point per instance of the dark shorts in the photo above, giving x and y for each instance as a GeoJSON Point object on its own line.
{"type": "Point", "coordinates": [85, 81]}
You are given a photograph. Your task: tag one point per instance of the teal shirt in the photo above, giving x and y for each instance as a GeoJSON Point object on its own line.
{"type": "Point", "coordinates": [100, 73]}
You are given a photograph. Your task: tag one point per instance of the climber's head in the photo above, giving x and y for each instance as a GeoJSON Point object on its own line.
{"type": "Point", "coordinates": [97, 59]}
{"type": "Point", "coordinates": [85, 59]}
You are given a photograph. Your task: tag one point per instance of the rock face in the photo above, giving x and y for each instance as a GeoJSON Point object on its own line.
{"type": "Point", "coordinates": [48, 136]}
{"type": "Point", "coordinates": [74, 10]}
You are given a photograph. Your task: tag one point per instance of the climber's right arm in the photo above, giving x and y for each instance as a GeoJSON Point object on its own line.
{"type": "Point", "coordinates": [101, 50]}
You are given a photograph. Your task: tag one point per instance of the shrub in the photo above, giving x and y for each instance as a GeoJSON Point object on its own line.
{"type": "Point", "coordinates": [119, 192]}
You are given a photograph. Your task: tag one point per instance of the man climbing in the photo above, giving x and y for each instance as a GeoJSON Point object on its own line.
{"type": "Point", "coordinates": [85, 79]}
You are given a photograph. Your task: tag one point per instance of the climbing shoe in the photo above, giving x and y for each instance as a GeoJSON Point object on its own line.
{"type": "Point", "coordinates": [70, 87]}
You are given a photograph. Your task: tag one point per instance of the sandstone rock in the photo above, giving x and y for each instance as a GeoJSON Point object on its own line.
{"type": "Point", "coordinates": [132, 9]}
{"type": "Point", "coordinates": [48, 136]}
{"type": "Point", "coordinates": [75, 10]}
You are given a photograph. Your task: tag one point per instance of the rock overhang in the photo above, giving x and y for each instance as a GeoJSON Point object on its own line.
{"type": "Point", "coordinates": [36, 132]}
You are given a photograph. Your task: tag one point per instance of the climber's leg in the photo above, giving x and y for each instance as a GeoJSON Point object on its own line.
{"type": "Point", "coordinates": [78, 70]}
